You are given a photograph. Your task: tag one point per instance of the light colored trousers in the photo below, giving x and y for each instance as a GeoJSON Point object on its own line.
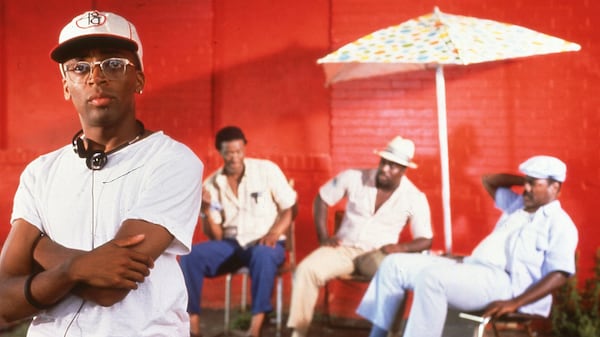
{"type": "Point", "coordinates": [320, 266]}
{"type": "Point", "coordinates": [437, 282]}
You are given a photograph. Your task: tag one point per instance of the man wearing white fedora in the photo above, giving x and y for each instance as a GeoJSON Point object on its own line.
{"type": "Point", "coordinates": [380, 202]}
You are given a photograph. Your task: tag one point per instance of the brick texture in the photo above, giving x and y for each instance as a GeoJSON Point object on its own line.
{"type": "Point", "coordinates": [253, 64]}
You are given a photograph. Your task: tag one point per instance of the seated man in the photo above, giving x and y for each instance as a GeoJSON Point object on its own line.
{"type": "Point", "coordinates": [247, 207]}
{"type": "Point", "coordinates": [530, 253]}
{"type": "Point", "coordinates": [380, 202]}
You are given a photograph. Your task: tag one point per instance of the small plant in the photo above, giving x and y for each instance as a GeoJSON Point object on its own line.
{"type": "Point", "coordinates": [576, 313]}
{"type": "Point", "coordinates": [242, 321]}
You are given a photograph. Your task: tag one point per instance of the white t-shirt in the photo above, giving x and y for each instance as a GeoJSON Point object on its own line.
{"type": "Point", "coordinates": [155, 179]}
{"type": "Point", "coordinates": [364, 228]}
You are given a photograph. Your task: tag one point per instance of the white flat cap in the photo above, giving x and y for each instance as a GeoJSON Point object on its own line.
{"type": "Point", "coordinates": [544, 167]}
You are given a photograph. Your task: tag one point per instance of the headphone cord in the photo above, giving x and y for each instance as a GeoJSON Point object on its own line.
{"type": "Point", "coordinates": [74, 317]}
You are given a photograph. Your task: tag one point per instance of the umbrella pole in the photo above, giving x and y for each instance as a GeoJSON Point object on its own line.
{"type": "Point", "coordinates": [440, 88]}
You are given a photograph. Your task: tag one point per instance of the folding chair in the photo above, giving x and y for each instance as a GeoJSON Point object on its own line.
{"type": "Point", "coordinates": [518, 322]}
{"type": "Point", "coordinates": [338, 216]}
{"type": "Point", "coordinates": [521, 320]}
{"type": "Point", "coordinates": [288, 266]}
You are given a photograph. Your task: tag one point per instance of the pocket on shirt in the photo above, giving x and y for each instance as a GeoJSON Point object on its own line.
{"type": "Point", "coordinates": [533, 243]}
{"type": "Point", "coordinates": [258, 202]}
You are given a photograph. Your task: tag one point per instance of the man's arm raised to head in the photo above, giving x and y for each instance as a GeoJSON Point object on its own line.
{"type": "Point", "coordinates": [491, 182]}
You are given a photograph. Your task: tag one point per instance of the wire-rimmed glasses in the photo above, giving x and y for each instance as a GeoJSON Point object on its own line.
{"type": "Point", "coordinates": [113, 68]}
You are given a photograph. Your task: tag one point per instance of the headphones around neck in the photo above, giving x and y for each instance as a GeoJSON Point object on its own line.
{"type": "Point", "coordinates": [97, 159]}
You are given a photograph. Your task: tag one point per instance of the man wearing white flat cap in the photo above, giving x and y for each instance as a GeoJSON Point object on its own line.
{"type": "Point", "coordinates": [380, 202]}
{"type": "Point", "coordinates": [530, 253]}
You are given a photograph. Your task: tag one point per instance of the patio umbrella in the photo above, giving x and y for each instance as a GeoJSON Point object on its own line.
{"type": "Point", "coordinates": [433, 41]}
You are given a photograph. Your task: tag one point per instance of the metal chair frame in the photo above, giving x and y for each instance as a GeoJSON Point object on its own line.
{"type": "Point", "coordinates": [288, 266]}
{"type": "Point", "coordinates": [518, 318]}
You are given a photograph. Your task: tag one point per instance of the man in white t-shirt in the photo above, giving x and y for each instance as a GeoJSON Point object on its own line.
{"type": "Point", "coordinates": [380, 202]}
{"type": "Point", "coordinates": [97, 225]}
{"type": "Point", "coordinates": [247, 207]}
{"type": "Point", "coordinates": [530, 253]}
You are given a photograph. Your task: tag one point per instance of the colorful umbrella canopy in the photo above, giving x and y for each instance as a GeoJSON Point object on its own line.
{"type": "Point", "coordinates": [432, 41]}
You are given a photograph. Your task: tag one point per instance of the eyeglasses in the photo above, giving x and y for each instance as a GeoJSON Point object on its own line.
{"type": "Point", "coordinates": [113, 68]}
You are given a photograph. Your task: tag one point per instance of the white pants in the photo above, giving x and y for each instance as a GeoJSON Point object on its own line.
{"type": "Point", "coordinates": [437, 282]}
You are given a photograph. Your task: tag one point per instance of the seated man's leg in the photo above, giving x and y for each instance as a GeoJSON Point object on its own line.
{"type": "Point", "coordinates": [461, 286]}
{"type": "Point", "coordinates": [263, 262]}
{"type": "Point", "coordinates": [207, 259]}
{"type": "Point", "coordinates": [320, 266]}
{"type": "Point", "coordinates": [386, 292]}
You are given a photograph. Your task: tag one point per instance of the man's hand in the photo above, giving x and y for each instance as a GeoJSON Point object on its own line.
{"type": "Point", "coordinates": [270, 239]}
{"type": "Point", "coordinates": [113, 265]}
{"type": "Point", "coordinates": [332, 241]}
{"type": "Point", "coordinates": [499, 308]}
{"type": "Point", "coordinates": [393, 248]}
{"type": "Point", "coordinates": [416, 245]}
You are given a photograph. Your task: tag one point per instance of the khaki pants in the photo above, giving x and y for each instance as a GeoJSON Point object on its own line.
{"type": "Point", "coordinates": [367, 263]}
{"type": "Point", "coordinates": [320, 266]}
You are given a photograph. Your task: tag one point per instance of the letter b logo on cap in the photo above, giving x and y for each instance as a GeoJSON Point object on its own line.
{"type": "Point", "coordinates": [92, 19]}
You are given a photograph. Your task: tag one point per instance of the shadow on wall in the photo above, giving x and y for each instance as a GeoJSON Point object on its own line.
{"type": "Point", "coordinates": [469, 209]}
{"type": "Point", "coordinates": [468, 198]}
{"type": "Point", "coordinates": [279, 100]}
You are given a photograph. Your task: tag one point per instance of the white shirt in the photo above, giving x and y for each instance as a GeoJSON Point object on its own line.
{"type": "Point", "coordinates": [364, 228]}
{"type": "Point", "coordinates": [529, 246]}
{"type": "Point", "coordinates": [155, 179]}
{"type": "Point", "coordinates": [262, 192]}
{"type": "Point", "coordinates": [493, 249]}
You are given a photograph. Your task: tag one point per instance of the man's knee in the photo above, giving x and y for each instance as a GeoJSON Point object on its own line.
{"type": "Point", "coordinates": [429, 278]}
{"type": "Point", "coordinates": [266, 254]}
{"type": "Point", "coordinates": [304, 268]}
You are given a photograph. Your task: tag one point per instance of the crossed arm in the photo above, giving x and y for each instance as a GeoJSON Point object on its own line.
{"type": "Point", "coordinates": [104, 275]}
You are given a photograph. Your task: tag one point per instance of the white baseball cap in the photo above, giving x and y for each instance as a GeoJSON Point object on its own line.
{"type": "Point", "coordinates": [544, 167]}
{"type": "Point", "coordinates": [399, 150]}
{"type": "Point", "coordinates": [93, 29]}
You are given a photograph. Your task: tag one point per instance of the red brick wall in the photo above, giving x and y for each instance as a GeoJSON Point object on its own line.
{"type": "Point", "coordinates": [499, 114]}
{"type": "Point", "coordinates": [252, 63]}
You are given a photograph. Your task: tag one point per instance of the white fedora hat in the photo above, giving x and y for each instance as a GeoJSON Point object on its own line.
{"type": "Point", "coordinates": [400, 151]}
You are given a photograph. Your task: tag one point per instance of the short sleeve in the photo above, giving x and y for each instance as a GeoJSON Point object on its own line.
{"type": "Point", "coordinates": [283, 193]}
{"type": "Point", "coordinates": [420, 223]}
{"type": "Point", "coordinates": [171, 197]}
{"type": "Point", "coordinates": [335, 189]}
{"type": "Point", "coordinates": [507, 200]}
{"type": "Point", "coordinates": [562, 243]}
{"type": "Point", "coordinates": [24, 202]}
